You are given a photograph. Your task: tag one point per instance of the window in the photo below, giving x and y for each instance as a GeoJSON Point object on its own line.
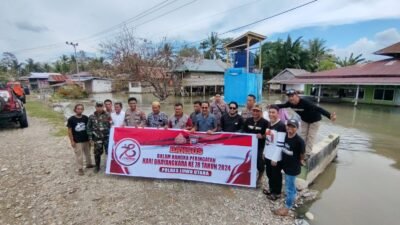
{"type": "Point", "coordinates": [134, 84]}
{"type": "Point", "coordinates": [351, 93]}
{"type": "Point", "coordinates": [384, 94]}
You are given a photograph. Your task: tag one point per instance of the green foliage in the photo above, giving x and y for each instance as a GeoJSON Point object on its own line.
{"type": "Point", "coordinates": [70, 92]}
{"type": "Point", "coordinates": [327, 64]}
{"type": "Point", "coordinates": [213, 47]}
{"type": "Point", "coordinates": [189, 52]}
{"type": "Point", "coordinates": [350, 61]}
{"type": "Point", "coordinates": [312, 56]}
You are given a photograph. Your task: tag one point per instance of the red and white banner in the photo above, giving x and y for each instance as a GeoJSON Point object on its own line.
{"type": "Point", "coordinates": [222, 158]}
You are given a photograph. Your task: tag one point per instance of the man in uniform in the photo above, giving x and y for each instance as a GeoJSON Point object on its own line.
{"type": "Point", "coordinates": [134, 117]}
{"type": "Point", "coordinates": [98, 129]}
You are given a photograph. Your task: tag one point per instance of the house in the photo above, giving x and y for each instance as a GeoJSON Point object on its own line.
{"type": "Point", "coordinates": [201, 76]}
{"type": "Point", "coordinates": [92, 84]}
{"type": "Point", "coordinates": [193, 76]}
{"type": "Point", "coordinates": [39, 81]}
{"type": "Point", "coordinates": [156, 75]}
{"type": "Point", "coordinates": [279, 84]}
{"type": "Point", "coordinates": [375, 82]}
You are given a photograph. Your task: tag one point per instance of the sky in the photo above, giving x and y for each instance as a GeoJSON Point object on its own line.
{"type": "Point", "coordinates": [39, 29]}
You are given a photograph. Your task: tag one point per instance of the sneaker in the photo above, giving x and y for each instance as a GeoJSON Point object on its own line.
{"type": "Point", "coordinates": [80, 172]}
{"type": "Point", "coordinates": [90, 166]}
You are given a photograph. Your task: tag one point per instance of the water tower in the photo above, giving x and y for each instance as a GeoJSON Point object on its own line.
{"type": "Point", "coordinates": [243, 78]}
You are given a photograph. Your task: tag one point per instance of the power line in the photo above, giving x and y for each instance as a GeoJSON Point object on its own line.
{"type": "Point", "coordinates": [136, 17]}
{"type": "Point", "coordinates": [258, 21]}
{"type": "Point", "coordinates": [208, 17]}
{"type": "Point", "coordinates": [269, 17]}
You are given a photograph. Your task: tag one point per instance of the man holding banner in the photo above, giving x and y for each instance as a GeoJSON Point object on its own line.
{"type": "Point", "coordinates": [257, 125]}
{"type": "Point", "coordinates": [275, 138]}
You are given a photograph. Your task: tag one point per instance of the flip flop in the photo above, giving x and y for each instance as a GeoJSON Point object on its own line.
{"type": "Point", "coordinates": [266, 192]}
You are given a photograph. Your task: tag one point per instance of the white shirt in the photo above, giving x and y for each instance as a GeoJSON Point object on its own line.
{"type": "Point", "coordinates": [118, 119]}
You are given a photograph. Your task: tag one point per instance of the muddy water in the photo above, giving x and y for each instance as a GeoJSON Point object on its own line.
{"type": "Point", "coordinates": [363, 185]}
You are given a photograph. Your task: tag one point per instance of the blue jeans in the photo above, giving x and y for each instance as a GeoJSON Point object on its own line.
{"type": "Point", "coordinates": [290, 188]}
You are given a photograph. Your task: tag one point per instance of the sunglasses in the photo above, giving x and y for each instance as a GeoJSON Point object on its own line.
{"type": "Point", "coordinates": [204, 107]}
{"type": "Point", "coordinates": [232, 107]}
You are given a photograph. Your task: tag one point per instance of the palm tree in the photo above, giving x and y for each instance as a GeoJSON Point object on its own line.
{"type": "Point", "coordinates": [203, 46]}
{"type": "Point", "coordinates": [214, 45]}
{"type": "Point", "coordinates": [65, 64]}
{"type": "Point", "coordinates": [317, 52]}
{"type": "Point", "coordinates": [350, 61]}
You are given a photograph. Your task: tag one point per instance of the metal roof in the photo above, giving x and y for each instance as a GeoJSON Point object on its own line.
{"type": "Point", "coordinates": [241, 41]}
{"type": "Point", "coordinates": [283, 76]}
{"type": "Point", "coordinates": [57, 78]}
{"type": "Point", "coordinates": [385, 72]}
{"type": "Point", "coordinates": [41, 75]}
{"type": "Point", "coordinates": [203, 65]}
{"type": "Point", "coordinates": [393, 50]}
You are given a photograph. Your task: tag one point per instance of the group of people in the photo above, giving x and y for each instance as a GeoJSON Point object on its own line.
{"type": "Point", "coordinates": [279, 147]}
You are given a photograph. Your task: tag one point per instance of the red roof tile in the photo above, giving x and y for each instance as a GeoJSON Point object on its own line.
{"type": "Point", "coordinates": [385, 72]}
{"type": "Point", "coordinates": [393, 50]}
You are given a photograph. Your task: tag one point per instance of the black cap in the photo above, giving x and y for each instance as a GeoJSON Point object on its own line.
{"type": "Point", "coordinates": [98, 104]}
{"type": "Point", "coordinates": [293, 122]}
{"type": "Point", "coordinates": [291, 92]}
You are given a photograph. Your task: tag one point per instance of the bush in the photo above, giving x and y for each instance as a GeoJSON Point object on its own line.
{"type": "Point", "coordinates": [71, 92]}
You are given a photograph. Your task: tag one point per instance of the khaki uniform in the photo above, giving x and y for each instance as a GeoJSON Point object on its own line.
{"type": "Point", "coordinates": [135, 118]}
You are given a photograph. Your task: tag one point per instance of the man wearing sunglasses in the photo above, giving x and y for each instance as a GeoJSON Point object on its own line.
{"type": "Point", "coordinates": [232, 121]}
{"type": "Point", "coordinates": [310, 115]}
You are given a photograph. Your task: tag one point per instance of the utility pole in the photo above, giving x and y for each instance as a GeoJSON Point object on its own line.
{"type": "Point", "coordinates": [76, 58]}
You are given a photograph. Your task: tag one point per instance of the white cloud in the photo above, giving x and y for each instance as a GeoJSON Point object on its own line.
{"type": "Point", "coordinates": [367, 47]}
{"type": "Point", "coordinates": [73, 20]}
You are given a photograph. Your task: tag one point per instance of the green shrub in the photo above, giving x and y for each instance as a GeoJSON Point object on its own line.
{"type": "Point", "coordinates": [71, 92]}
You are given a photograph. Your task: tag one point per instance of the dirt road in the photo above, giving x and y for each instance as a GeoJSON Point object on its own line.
{"type": "Point", "coordinates": [39, 185]}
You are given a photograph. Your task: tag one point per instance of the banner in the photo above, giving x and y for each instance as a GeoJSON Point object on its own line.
{"type": "Point", "coordinates": [222, 158]}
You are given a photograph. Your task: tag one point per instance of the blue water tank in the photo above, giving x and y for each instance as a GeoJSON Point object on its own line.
{"type": "Point", "coordinates": [240, 59]}
{"type": "Point", "coordinates": [239, 84]}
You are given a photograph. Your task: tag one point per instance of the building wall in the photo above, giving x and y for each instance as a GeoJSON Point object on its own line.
{"type": "Point", "coordinates": [369, 91]}
{"type": "Point", "coordinates": [101, 86]}
{"type": "Point", "coordinates": [203, 79]}
{"type": "Point", "coordinates": [297, 87]}
{"type": "Point", "coordinates": [140, 87]}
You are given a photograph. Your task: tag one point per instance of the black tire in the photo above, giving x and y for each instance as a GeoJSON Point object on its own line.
{"type": "Point", "coordinates": [2, 104]}
{"type": "Point", "coordinates": [23, 121]}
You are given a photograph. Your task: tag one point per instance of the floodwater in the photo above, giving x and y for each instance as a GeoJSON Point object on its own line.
{"type": "Point", "coordinates": [362, 186]}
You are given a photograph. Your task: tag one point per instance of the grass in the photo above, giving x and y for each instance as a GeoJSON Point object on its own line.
{"type": "Point", "coordinates": [38, 109]}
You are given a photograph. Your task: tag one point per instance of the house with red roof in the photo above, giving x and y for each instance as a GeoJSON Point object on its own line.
{"type": "Point", "coordinates": [375, 82]}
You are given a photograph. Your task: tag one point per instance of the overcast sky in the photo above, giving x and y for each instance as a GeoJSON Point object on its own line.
{"type": "Point", "coordinates": [45, 25]}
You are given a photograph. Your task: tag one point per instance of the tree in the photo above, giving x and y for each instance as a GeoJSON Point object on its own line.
{"type": "Point", "coordinates": [317, 52]}
{"type": "Point", "coordinates": [350, 61]}
{"type": "Point", "coordinates": [328, 63]}
{"type": "Point", "coordinates": [280, 54]}
{"type": "Point", "coordinates": [213, 47]}
{"type": "Point", "coordinates": [189, 52]}
{"type": "Point", "coordinates": [11, 65]}
{"type": "Point", "coordinates": [143, 60]}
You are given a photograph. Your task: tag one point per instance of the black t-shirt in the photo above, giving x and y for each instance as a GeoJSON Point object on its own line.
{"type": "Point", "coordinates": [231, 124]}
{"type": "Point", "coordinates": [308, 111]}
{"type": "Point", "coordinates": [279, 127]}
{"type": "Point", "coordinates": [259, 127]}
{"type": "Point", "coordinates": [78, 127]}
{"type": "Point", "coordinates": [291, 153]}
